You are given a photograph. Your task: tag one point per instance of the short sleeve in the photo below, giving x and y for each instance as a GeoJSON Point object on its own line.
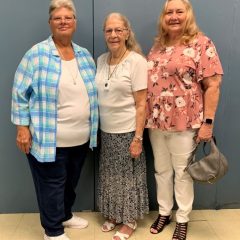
{"type": "Point", "coordinates": [101, 60]}
{"type": "Point", "coordinates": [208, 62]}
{"type": "Point", "coordinates": [139, 73]}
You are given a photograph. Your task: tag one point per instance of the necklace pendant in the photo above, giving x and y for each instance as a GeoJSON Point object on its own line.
{"type": "Point", "coordinates": [106, 84]}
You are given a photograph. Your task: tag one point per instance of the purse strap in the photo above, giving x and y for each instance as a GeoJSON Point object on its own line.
{"type": "Point", "coordinates": [191, 158]}
{"type": "Point", "coordinates": [205, 143]}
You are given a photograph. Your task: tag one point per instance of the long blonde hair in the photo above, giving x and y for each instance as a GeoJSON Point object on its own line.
{"type": "Point", "coordinates": [131, 43]}
{"type": "Point", "coordinates": [190, 31]}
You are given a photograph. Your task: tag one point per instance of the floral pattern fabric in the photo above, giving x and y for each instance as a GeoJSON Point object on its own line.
{"type": "Point", "coordinates": [175, 99]}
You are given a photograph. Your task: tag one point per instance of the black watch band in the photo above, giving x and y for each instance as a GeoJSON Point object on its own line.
{"type": "Point", "coordinates": [208, 121]}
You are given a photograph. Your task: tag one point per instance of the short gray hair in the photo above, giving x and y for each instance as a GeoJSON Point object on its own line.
{"type": "Point", "coordinates": [54, 4]}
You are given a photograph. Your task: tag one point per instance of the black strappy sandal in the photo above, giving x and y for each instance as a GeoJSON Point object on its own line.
{"type": "Point", "coordinates": [180, 232]}
{"type": "Point", "coordinates": [160, 223]}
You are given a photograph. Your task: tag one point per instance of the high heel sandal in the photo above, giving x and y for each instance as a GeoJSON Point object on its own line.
{"type": "Point", "coordinates": [160, 223]}
{"type": "Point", "coordinates": [180, 232]}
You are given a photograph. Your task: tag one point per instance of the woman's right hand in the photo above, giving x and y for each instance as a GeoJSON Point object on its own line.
{"type": "Point", "coordinates": [135, 148]}
{"type": "Point", "coordinates": [24, 138]}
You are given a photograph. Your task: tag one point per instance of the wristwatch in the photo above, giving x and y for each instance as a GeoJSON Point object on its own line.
{"type": "Point", "coordinates": [138, 138]}
{"type": "Point", "coordinates": [208, 121]}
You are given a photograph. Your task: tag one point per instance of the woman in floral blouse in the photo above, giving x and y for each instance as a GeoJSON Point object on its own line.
{"type": "Point", "coordinates": [183, 92]}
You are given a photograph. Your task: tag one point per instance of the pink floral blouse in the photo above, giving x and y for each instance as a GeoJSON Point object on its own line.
{"type": "Point", "coordinates": [175, 100]}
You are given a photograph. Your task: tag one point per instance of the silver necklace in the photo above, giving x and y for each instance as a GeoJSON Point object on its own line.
{"type": "Point", "coordinates": [73, 75]}
{"type": "Point", "coordinates": [115, 68]}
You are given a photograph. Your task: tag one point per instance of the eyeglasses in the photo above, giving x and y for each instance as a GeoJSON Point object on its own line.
{"type": "Point", "coordinates": [118, 31]}
{"type": "Point", "coordinates": [67, 19]}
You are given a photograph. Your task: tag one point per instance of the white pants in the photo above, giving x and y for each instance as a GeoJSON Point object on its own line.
{"type": "Point", "coordinates": [171, 152]}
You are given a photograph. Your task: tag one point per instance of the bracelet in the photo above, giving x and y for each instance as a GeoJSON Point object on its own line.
{"type": "Point", "coordinates": [138, 138]}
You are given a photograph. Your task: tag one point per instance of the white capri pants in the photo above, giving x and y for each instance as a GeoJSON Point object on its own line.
{"type": "Point", "coordinates": [171, 152]}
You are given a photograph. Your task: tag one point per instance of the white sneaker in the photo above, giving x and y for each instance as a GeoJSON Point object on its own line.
{"type": "Point", "coordinates": [60, 237]}
{"type": "Point", "coordinates": [75, 222]}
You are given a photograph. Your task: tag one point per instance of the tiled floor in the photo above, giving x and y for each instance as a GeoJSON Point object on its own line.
{"type": "Point", "coordinates": [204, 225]}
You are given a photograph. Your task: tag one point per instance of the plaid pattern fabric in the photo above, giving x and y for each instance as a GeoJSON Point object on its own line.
{"type": "Point", "coordinates": [35, 95]}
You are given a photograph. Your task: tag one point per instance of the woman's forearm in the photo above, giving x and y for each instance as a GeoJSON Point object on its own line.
{"type": "Point", "coordinates": [140, 99]}
{"type": "Point", "coordinates": [211, 87]}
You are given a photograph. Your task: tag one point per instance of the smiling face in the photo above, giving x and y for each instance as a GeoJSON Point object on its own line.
{"type": "Point", "coordinates": [116, 34]}
{"type": "Point", "coordinates": [175, 16]}
{"type": "Point", "coordinates": [62, 23]}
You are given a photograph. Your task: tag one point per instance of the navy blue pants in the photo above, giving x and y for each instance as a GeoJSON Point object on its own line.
{"type": "Point", "coordinates": [55, 185]}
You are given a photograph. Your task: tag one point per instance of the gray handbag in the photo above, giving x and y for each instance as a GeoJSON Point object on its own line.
{"type": "Point", "coordinates": [210, 168]}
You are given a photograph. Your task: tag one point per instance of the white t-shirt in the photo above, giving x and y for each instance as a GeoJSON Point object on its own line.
{"type": "Point", "coordinates": [73, 122]}
{"type": "Point", "coordinates": [115, 96]}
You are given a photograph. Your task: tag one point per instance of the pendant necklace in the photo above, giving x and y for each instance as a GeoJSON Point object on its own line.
{"type": "Point", "coordinates": [73, 74]}
{"type": "Point", "coordinates": [115, 68]}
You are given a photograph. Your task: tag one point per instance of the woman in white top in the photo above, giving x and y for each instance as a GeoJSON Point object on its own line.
{"type": "Point", "coordinates": [121, 81]}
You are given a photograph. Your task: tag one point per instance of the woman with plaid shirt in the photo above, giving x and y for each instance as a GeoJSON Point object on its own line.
{"type": "Point", "coordinates": [54, 106]}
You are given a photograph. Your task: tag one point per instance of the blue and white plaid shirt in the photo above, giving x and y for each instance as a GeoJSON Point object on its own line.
{"type": "Point", "coordinates": [35, 95]}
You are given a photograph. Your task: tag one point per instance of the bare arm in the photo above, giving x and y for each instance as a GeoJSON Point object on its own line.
{"type": "Point", "coordinates": [140, 100]}
{"type": "Point", "coordinates": [24, 138]}
{"type": "Point", "coordinates": [211, 89]}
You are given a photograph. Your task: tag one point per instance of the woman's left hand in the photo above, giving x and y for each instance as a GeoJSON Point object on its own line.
{"type": "Point", "coordinates": [135, 148]}
{"type": "Point", "coordinates": [205, 133]}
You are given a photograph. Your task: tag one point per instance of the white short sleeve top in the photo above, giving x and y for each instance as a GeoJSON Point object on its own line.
{"type": "Point", "coordinates": [115, 95]}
